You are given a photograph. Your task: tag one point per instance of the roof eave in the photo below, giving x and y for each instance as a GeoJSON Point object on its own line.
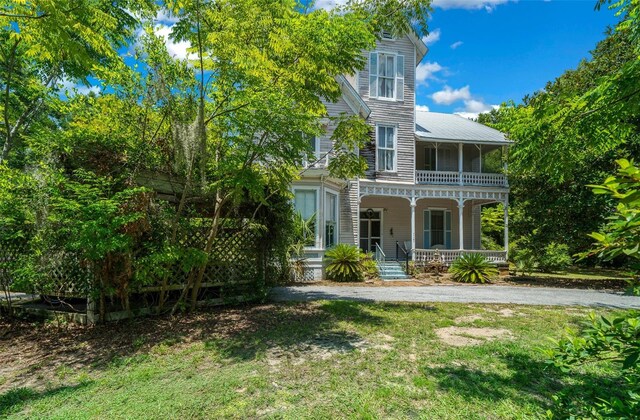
{"type": "Point", "coordinates": [421, 47]}
{"type": "Point", "coordinates": [504, 142]}
{"type": "Point", "coordinates": [352, 98]}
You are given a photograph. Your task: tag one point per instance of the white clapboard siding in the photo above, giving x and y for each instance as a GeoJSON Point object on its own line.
{"type": "Point", "coordinates": [400, 113]}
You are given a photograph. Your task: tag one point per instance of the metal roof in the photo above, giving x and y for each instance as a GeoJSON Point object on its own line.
{"type": "Point", "coordinates": [451, 127]}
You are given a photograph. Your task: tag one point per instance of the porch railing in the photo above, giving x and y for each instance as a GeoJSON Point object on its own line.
{"type": "Point", "coordinates": [449, 255]}
{"type": "Point", "coordinates": [464, 178]}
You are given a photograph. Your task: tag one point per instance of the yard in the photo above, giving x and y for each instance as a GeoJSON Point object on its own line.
{"type": "Point", "coordinates": [322, 360]}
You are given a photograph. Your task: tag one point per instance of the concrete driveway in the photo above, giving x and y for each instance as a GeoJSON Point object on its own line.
{"type": "Point", "coordinates": [462, 294]}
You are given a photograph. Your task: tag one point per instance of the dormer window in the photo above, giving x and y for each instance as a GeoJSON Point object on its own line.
{"type": "Point", "coordinates": [387, 35]}
{"type": "Point", "coordinates": [386, 76]}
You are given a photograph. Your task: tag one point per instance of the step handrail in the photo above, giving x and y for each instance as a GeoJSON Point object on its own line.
{"type": "Point", "coordinates": [406, 256]}
{"type": "Point", "coordinates": [380, 258]}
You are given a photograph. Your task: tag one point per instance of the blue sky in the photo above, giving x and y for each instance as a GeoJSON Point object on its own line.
{"type": "Point", "coordinates": [483, 53]}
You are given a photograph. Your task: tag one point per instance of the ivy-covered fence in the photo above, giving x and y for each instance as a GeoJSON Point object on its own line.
{"type": "Point", "coordinates": [240, 266]}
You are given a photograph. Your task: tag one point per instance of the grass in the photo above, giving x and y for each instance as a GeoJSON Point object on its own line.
{"type": "Point", "coordinates": [312, 360]}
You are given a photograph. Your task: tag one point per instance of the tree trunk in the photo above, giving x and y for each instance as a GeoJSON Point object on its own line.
{"type": "Point", "coordinates": [211, 237]}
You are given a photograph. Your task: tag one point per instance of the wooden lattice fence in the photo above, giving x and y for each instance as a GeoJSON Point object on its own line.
{"type": "Point", "coordinates": [240, 264]}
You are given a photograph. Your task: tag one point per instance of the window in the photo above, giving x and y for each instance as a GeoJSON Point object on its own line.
{"type": "Point", "coordinates": [437, 229]}
{"type": "Point", "coordinates": [386, 76]}
{"type": "Point", "coordinates": [314, 147]}
{"type": "Point", "coordinates": [306, 204]}
{"type": "Point", "coordinates": [386, 146]}
{"type": "Point", "coordinates": [330, 219]}
{"type": "Point", "coordinates": [429, 159]}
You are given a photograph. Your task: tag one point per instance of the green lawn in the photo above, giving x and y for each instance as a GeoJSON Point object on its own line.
{"type": "Point", "coordinates": [309, 360]}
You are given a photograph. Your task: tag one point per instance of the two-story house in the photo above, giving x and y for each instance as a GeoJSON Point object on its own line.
{"type": "Point", "coordinates": [428, 173]}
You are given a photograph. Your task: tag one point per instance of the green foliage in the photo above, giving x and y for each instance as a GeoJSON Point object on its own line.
{"type": "Point", "coordinates": [554, 258]}
{"type": "Point", "coordinates": [492, 225]}
{"type": "Point", "coordinates": [603, 339]}
{"type": "Point", "coordinates": [369, 266]}
{"type": "Point", "coordinates": [621, 234]}
{"type": "Point", "coordinates": [525, 262]}
{"type": "Point", "coordinates": [569, 135]}
{"type": "Point", "coordinates": [472, 268]}
{"type": "Point", "coordinates": [344, 263]}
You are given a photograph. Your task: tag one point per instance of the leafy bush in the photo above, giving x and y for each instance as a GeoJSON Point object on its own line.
{"type": "Point", "coordinates": [472, 268]}
{"type": "Point", "coordinates": [555, 257]}
{"type": "Point", "coordinates": [345, 263]}
{"type": "Point", "coordinates": [369, 266]}
{"type": "Point", "coordinates": [603, 339]}
{"type": "Point", "coordinates": [525, 262]}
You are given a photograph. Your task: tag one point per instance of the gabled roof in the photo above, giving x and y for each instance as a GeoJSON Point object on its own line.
{"type": "Point", "coordinates": [353, 99]}
{"type": "Point", "coordinates": [421, 47]}
{"type": "Point", "coordinates": [454, 128]}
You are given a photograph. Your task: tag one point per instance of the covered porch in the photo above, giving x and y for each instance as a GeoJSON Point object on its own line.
{"type": "Point", "coordinates": [422, 221]}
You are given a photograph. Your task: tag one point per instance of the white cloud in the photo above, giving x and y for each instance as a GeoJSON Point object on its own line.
{"type": "Point", "coordinates": [164, 17]}
{"type": "Point", "coordinates": [422, 108]}
{"type": "Point", "coordinates": [70, 88]}
{"type": "Point", "coordinates": [329, 4]}
{"type": "Point", "coordinates": [447, 96]}
{"type": "Point", "coordinates": [488, 5]}
{"type": "Point", "coordinates": [456, 44]}
{"type": "Point", "coordinates": [473, 107]}
{"type": "Point", "coordinates": [176, 49]}
{"type": "Point", "coordinates": [432, 38]}
{"type": "Point", "coordinates": [426, 71]}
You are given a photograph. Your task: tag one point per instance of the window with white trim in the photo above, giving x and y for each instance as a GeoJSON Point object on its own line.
{"type": "Point", "coordinates": [386, 76]}
{"type": "Point", "coordinates": [306, 204]}
{"type": "Point", "coordinates": [330, 219]}
{"type": "Point", "coordinates": [314, 151]}
{"type": "Point", "coordinates": [386, 148]}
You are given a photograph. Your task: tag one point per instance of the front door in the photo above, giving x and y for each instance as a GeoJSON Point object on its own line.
{"type": "Point", "coordinates": [370, 230]}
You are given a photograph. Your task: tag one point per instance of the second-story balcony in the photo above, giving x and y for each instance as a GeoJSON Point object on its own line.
{"type": "Point", "coordinates": [461, 178]}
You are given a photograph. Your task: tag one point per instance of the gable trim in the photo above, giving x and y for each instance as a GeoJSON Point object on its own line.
{"type": "Point", "coordinates": [351, 97]}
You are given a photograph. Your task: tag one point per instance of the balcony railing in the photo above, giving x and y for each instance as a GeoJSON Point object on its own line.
{"type": "Point", "coordinates": [423, 256]}
{"type": "Point", "coordinates": [464, 178]}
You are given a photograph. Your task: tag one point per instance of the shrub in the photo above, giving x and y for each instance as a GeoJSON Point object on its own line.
{"type": "Point", "coordinates": [472, 268]}
{"type": "Point", "coordinates": [369, 266]}
{"type": "Point", "coordinates": [525, 262]}
{"type": "Point", "coordinates": [555, 257]}
{"type": "Point", "coordinates": [344, 263]}
{"type": "Point", "coordinates": [603, 340]}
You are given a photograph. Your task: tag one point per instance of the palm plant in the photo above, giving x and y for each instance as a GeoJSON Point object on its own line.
{"type": "Point", "coordinates": [303, 236]}
{"type": "Point", "coordinates": [472, 268]}
{"type": "Point", "coordinates": [344, 263]}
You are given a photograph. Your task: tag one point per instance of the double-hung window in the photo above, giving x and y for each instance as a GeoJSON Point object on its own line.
{"type": "Point", "coordinates": [386, 148]}
{"type": "Point", "coordinates": [330, 219]}
{"type": "Point", "coordinates": [306, 204]}
{"type": "Point", "coordinates": [386, 76]}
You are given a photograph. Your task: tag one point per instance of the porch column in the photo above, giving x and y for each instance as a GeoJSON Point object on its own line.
{"type": "Point", "coordinates": [412, 204]}
{"type": "Point", "coordinates": [461, 222]}
{"type": "Point", "coordinates": [506, 227]}
{"type": "Point", "coordinates": [460, 166]}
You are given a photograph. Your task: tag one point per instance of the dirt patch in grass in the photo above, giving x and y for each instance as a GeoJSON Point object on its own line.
{"type": "Point", "coordinates": [468, 336]}
{"type": "Point", "coordinates": [320, 347]}
{"type": "Point", "coordinates": [468, 319]}
{"type": "Point", "coordinates": [37, 354]}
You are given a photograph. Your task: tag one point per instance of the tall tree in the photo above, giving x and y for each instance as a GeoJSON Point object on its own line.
{"type": "Point", "coordinates": [262, 72]}
{"type": "Point", "coordinates": [570, 135]}
{"type": "Point", "coordinates": [46, 42]}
